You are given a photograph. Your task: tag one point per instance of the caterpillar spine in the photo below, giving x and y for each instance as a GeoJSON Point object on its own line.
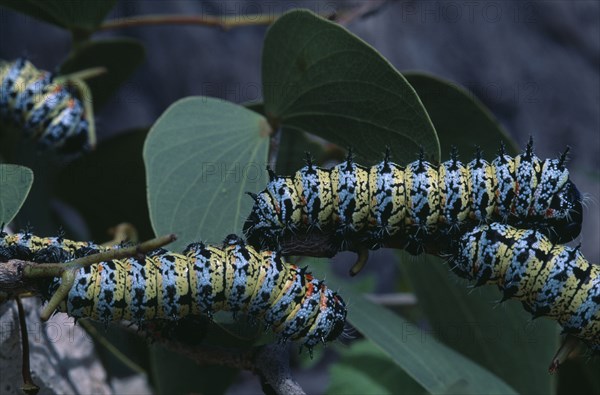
{"type": "Point", "coordinates": [203, 280]}
{"type": "Point", "coordinates": [45, 110]}
{"type": "Point", "coordinates": [356, 207]}
{"type": "Point", "coordinates": [549, 279]}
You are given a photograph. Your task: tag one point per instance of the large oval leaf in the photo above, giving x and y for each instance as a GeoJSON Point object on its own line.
{"type": "Point", "coordinates": [460, 119]}
{"type": "Point", "coordinates": [120, 57]}
{"type": "Point", "coordinates": [437, 368]}
{"type": "Point", "coordinates": [72, 14]}
{"type": "Point", "coordinates": [15, 183]}
{"type": "Point", "coordinates": [201, 156]}
{"type": "Point", "coordinates": [320, 78]}
{"type": "Point", "coordinates": [365, 369]}
{"type": "Point", "coordinates": [501, 339]}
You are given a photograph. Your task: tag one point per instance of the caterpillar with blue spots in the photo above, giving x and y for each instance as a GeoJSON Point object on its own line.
{"type": "Point", "coordinates": [204, 279]}
{"type": "Point", "coordinates": [45, 109]}
{"type": "Point", "coordinates": [357, 208]}
{"type": "Point", "coordinates": [550, 280]}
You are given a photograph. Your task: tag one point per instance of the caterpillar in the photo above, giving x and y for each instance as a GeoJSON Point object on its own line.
{"type": "Point", "coordinates": [27, 246]}
{"type": "Point", "coordinates": [354, 207]}
{"type": "Point", "coordinates": [204, 279]}
{"type": "Point", "coordinates": [549, 279]}
{"type": "Point", "coordinates": [44, 109]}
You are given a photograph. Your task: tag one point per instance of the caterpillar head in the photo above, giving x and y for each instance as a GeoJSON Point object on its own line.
{"type": "Point", "coordinates": [330, 320]}
{"type": "Point", "coordinates": [567, 211]}
{"type": "Point", "coordinates": [263, 224]}
{"type": "Point", "coordinates": [461, 254]}
{"type": "Point", "coordinates": [339, 324]}
{"type": "Point", "coordinates": [557, 201]}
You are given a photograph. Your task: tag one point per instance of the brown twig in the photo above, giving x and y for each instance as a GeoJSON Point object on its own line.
{"type": "Point", "coordinates": [274, 143]}
{"type": "Point", "coordinates": [70, 268]}
{"type": "Point", "coordinates": [366, 9]}
{"type": "Point", "coordinates": [29, 387]}
{"type": "Point", "coordinates": [270, 362]}
{"type": "Point", "coordinates": [16, 274]}
{"type": "Point", "coordinates": [11, 275]}
{"type": "Point", "coordinates": [223, 22]}
{"type": "Point", "coordinates": [49, 269]}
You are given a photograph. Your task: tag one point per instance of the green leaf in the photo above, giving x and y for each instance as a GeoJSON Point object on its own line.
{"type": "Point", "coordinates": [437, 368]}
{"type": "Point", "coordinates": [320, 78]}
{"type": "Point", "coordinates": [15, 183]}
{"type": "Point", "coordinates": [460, 119]}
{"type": "Point", "coordinates": [201, 156]}
{"type": "Point", "coordinates": [174, 373]}
{"type": "Point", "coordinates": [120, 57]}
{"type": "Point", "coordinates": [365, 369]}
{"type": "Point", "coordinates": [501, 339]}
{"type": "Point", "coordinates": [73, 14]}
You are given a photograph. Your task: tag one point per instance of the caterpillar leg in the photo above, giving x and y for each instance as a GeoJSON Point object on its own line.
{"type": "Point", "coordinates": [363, 257]}
{"type": "Point", "coordinates": [563, 352]}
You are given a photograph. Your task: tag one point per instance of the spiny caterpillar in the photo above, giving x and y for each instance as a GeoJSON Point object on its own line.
{"type": "Point", "coordinates": [358, 208]}
{"type": "Point", "coordinates": [203, 280]}
{"type": "Point", "coordinates": [550, 280]}
{"type": "Point", "coordinates": [44, 109]}
{"type": "Point", "coordinates": [27, 246]}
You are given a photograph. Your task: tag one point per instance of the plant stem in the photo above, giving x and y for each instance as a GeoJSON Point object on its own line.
{"type": "Point", "coordinates": [223, 22]}
{"type": "Point", "coordinates": [274, 143]}
{"type": "Point", "coordinates": [29, 387]}
{"type": "Point", "coordinates": [270, 362]}
{"type": "Point", "coordinates": [81, 75]}
{"type": "Point", "coordinates": [50, 269]}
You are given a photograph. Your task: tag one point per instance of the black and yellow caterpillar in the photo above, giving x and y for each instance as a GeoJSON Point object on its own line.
{"type": "Point", "coordinates": [357, 207]}
{"type": "Point", "coordinates": [550, 280]}
{"type": "Point", "coordinates": [45, 111]}
{"type": "Point", "coordinates": [203, 280]}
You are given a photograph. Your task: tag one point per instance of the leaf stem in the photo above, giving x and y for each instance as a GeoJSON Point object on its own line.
{"type": "Point", "coordinates": [274, 143]}
{"type": "Point", "coordinates": [270, 362]}
{"type": "Point", "coordinates": [82, 74]}
{"type": "Point", "coordinates": [223, 22]}
{"type": "Point", "coordinates": [67, 271]}
{"type": "Point", "coordinates": [29, 387]}
{"type": "Point", "coordinates": [55, 269]}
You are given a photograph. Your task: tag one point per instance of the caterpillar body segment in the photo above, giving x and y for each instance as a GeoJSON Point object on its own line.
{"type": "Point", "coordinates": [549, 279]}
{"type": "Point", "coordinates": [29, 247]}
{"type": "Point", "coordinates": [202, 280]}
{"type": "Point", "coordinates": [355, 207]}
{"type": "Point", "coordinates": [44, 110]}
